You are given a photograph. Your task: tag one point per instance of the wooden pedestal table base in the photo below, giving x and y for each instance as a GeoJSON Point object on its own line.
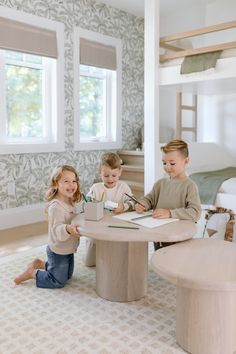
{"type": "Point", "coordinates": [122, 253]}
{"type": "Point", "coordinates": [121, 270]}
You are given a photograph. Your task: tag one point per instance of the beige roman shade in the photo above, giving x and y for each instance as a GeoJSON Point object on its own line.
{"type": "Point", "coordinates": [97, 54]}
{"type": "Point", "coordinates": [22, 37]}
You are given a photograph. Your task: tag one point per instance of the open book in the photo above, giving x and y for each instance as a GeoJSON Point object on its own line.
{"type": "Point", "coordinates": [144, 219]}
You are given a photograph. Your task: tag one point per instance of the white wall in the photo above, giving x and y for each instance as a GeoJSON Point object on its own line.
{"type": "Point", "coordinates": [217, 121]}
{"type": "Point", "coordinates": [151, 95]}
{"type": "Point", "coordinates": [220, 11]}
{"type": "Point", "coordinates": [185, 19]}
{"type": "Point", "coordinates": [208, 157]}
{"type": "Point", "coordinates": [217, 114]}
{"type": "Point", "coordinates": [182, 20]}
{"type": "Point", "coordinates": [167, 115]}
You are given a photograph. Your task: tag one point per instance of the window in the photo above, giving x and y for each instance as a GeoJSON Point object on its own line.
{"type": "Point", "coordinates": [31, 84]}
{"type": "Point", "coordinates": [97, 85]}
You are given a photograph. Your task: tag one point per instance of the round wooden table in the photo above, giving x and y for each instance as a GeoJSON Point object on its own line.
{"type": "Point", "coordinates": [122, 254]}
{"type": "Point", "coordinates": [204, 271]}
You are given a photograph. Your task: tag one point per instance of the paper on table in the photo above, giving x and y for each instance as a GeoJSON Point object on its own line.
{"type": "Point", "coordinates": [131, 215]}
{"type": "Point", "coordinates": [144, 219]}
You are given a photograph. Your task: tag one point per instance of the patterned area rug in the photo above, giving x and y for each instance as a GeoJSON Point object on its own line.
{"type": "Point", "coordinates": [75, 320]}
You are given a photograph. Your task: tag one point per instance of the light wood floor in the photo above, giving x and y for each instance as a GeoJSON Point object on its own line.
{"type": "Point", "coordinates": [21, 238]}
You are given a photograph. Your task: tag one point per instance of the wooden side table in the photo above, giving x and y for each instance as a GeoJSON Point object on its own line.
{"type": "Point", "coordinates": [204, 272]}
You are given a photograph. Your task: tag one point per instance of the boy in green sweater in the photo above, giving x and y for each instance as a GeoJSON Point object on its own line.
{"type": "Point", "coordinates": [174, 196]}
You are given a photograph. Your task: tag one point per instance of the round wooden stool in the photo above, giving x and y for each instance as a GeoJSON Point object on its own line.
{"type": "Point", "coordinates": [204, 272]}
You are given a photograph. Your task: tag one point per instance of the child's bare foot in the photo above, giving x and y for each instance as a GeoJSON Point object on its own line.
{"type": "Point", "coordinates": [37, 264]}
{"type": "Point", "coordinates": [26, 275]}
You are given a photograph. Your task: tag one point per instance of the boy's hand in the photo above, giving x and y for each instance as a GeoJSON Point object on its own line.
{"type": "Point", "coordinates": [73, 230]}
{"type": "Point", "coordinates": [119, 209]}
{"type": "Point", "coordinates": [139, 208]}
{"type": "Point", "coordinates": [161, 213]}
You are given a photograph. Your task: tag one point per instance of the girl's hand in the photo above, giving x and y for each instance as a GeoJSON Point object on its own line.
{"type": "Point", "coordinates": [139, 208]}
{"type": "Point", "coordinates": [73, 230]}
{"type": "Point", "coordinates": [161, 213]}
{"type": "Point", "coordinates": [119, 209]}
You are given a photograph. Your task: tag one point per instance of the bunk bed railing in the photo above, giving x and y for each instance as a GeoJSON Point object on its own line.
{"type": "Point", "coordinates": [181, 52]}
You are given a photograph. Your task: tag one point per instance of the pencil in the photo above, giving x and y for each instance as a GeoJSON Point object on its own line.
{"type": "Point", "coordinates": [131, 197]}
{"type": "Point", "coordinates": [142, 217]}
{"type": "Point", "coordinates": [124, 227]}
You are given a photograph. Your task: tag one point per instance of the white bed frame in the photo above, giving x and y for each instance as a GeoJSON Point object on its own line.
{"type": "Point", "coordinates": [178, 52]}
{"type": "Point", "coordinates": [222, 78]}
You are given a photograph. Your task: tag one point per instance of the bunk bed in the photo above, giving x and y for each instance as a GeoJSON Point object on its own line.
{"type": "Point", "coordinates": [220, 79]}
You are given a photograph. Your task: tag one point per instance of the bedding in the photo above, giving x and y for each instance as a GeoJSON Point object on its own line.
{"type": "Point", "coordinates": [199, 62]}
{"type": "Point", "coordinates": [210, 182]}
{"type": "Point", "coordinates": [227, 53]}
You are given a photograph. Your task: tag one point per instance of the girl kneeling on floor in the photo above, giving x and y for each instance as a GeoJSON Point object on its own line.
{"type": "Point", "coordinates": [63, 237]}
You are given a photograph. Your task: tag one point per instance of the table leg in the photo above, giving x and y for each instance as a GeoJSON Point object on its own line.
{"type": "Point", "coordinates": [121, 270]}
{"type": "Point", "coordinates": [206, 321]}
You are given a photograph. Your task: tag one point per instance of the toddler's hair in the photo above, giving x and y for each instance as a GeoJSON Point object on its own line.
{"type": "Point", "coordinates": [55, 177]}
{"type": "Point", "coordinates": [176, 145]}
{"type": "Point", "coordinates": [110, 159]}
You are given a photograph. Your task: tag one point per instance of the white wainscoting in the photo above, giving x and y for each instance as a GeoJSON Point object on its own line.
{"type": "Point", "coordinates": [24, 215]}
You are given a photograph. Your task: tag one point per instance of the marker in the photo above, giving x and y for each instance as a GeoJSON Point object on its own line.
{"type": "Point", "coordinates": [130, 196]}
{"type": "Point", "coordinates": [85, 199]}
{"type": "Point", "coordinates": [101, 199]}
{"type": "Point", "coordinates": [124, 227]}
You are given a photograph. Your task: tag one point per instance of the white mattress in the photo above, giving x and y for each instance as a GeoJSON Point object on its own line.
{"type": "Point", "coordinates": [227, 53]}
{"type": "Point", "coordinates": [226, 197]}
{"type": "Point", "coordinates": [223, 200]}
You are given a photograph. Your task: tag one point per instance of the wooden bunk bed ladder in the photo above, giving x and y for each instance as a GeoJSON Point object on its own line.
{"type": "Point", "coordinates": [192, 126]}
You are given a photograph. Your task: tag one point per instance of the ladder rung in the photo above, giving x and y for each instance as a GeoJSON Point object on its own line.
{"type": "Point", "coordinates": [188, 108]}
{"type": "Point", "coordinates": [185, 129]}
{"type": "Point", "coordinates": [192, 125]}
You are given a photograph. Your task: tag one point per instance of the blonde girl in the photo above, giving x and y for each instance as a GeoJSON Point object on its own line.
{"type": "Point", "coordinates": [63, 237]}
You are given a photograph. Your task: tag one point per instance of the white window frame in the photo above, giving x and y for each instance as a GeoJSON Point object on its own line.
{"type": "Point", "coordinates": [116, 142]}
{"type": "Point", "coordinates": [56, 125]}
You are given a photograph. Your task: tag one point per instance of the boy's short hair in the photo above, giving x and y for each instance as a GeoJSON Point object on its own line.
{"type": "Point", "coordinates": [176, 145]}
{"type": "Point", "coordinates": [110, 159]}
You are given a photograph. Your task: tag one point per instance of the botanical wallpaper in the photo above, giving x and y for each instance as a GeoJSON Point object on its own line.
{"type": "Point", "coordinates": [31, 172]}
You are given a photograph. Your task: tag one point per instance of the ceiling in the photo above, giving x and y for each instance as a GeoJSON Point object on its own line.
{"type": "Point", "coordinates": [136, 7]}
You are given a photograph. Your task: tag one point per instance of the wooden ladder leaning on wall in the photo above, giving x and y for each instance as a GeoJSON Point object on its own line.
{"type": "Point", "coordinates": [180, 107]}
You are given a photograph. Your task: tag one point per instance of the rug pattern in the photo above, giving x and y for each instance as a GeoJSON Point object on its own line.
{"type": "Point", "coordinates": [75, 320]}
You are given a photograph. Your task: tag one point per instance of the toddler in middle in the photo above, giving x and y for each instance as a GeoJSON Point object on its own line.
{"type": "Point", "coordinates": [110, 189]}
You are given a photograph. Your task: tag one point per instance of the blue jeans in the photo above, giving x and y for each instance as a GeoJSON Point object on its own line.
{"type": "Point", "coordinates": [58, 269]}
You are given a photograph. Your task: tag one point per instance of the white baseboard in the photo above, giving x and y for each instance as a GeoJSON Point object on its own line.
{"type": "Point", "coordinates": [24, 215]}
